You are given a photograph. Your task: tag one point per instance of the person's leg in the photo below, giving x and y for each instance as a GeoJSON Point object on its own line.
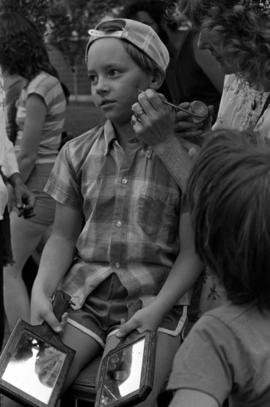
{"type": "Point", "coordinates": [86, 349]}
{"type": "Point", "coordinates": [167, 346]}
{"type": "Point", "coordinates": [25, 236]}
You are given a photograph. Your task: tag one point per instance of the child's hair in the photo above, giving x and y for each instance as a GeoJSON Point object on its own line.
{"type": "Point", "coordinates": [229, 194]}
{"type": "Point", "coordinates": [243, 33]}
{"type": "Point", "coordinates": [22, 49]}
{"type": "Point", "coordinates": [141, 59]}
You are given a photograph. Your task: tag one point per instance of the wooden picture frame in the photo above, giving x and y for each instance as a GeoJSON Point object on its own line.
{"type": "Point", "coordinates": [127, 372]}
{"type": "Point", "coordinates": [34, 364]}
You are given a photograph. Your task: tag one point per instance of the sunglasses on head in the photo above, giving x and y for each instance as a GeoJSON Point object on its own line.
{"type": "Point", "coordinates": [111, 26]}
{"type": "Point", "coordinates": [116, 26]}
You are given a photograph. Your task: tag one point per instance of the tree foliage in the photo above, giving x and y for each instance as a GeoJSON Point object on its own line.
{"type": "Point", "coordinates": [37, 11]}
{"type": "Point", "coordinates": [70, 21]}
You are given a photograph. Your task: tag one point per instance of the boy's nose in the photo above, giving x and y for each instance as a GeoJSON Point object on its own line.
{"type": "Point", "coordinates": [101, 86]}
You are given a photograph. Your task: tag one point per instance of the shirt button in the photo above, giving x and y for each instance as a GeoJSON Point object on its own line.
{"type": "Point", "coordinates": [117, 265]}
{"type": "Point", "coordinates": [119, 223]}
{"type": "Point", "coordinates": [124, 181]}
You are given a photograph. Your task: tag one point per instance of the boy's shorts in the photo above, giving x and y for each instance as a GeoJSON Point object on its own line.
{"type": "Point", "coordinates": [107, 305]}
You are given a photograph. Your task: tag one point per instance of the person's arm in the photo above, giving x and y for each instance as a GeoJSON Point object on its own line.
{"type": "Point", "coordinates": [176, 159]}
{"type": "Point", "coordinates": [24, 198]}
{"type": "Point", "coordinates": [156, 128]}
{"type": "Point", "coordinates": [192, 398]}
{"type": "Point", "coordinates": [56, 258]}
{"type": "Point", "coordinates": [36, 111]}
{"type": "Point", "coordinates": [181, 278]}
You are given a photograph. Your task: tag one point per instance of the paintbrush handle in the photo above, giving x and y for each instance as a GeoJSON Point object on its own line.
{"type": "Point", "coordinates": [176, 107]}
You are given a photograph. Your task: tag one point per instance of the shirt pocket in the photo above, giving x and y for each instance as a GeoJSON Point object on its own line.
{"type": "Point", "coordinates": [158, 213]}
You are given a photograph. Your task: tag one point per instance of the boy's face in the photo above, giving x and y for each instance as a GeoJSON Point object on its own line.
{"type": "Point", "coordinates": [114, 79]}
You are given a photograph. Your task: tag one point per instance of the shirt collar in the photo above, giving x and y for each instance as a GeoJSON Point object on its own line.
{"type": "Point", "coordinates": [110, 136]}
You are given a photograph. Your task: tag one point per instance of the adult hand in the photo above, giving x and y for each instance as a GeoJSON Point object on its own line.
{"type": "Point", "coordinates": [152, 120]}
{"type": "Point", "coordinates": [184, 125]}
{"type": "Point", "coordinates": [191, 132]}
{"type": "Point", "coordinates": [189, 128]}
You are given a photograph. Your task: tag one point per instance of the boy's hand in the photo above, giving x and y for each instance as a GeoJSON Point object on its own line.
{"type": "Point", "coordinates": [146, 319]}
{"type": "Point", "coordinates": [152, 120]}
{"type": "Point", "coordinates": [42, 310]}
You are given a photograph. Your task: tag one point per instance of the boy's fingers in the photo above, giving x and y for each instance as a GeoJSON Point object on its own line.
{"type": "Point", "coordinates": [51, 320]}
{"type": "Point", "coordinates": [64, 319]}
{"type": "Point", "coordinates": [126, 328]}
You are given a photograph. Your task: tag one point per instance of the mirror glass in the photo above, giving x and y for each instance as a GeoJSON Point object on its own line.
{"type": "Point", "coordinates": [34, 367]}
{"type": "Point", "coordinates": [123, 373]}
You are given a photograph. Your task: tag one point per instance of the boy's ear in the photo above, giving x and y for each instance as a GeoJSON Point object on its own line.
{"type": "Point", "coordinates": [157, 79]}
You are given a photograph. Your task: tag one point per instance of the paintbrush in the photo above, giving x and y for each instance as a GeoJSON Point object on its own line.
{"type": "Point", "coordinates": [179, 108]}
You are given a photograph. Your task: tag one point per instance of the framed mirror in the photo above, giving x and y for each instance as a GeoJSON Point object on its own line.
{"type": "Point", "coordinates": [127, 372]}
{"type": "Point", "coordinates": [33, 365]}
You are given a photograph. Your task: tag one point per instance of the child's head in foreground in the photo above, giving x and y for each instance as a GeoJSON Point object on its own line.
{"type": "Point", "coordinates": [229, 196]}
{"type": "Point", "coordinates": [122, 57]}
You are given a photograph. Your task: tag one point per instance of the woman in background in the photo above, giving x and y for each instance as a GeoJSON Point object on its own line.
{"type": "Point", "coordinates": [192, 74]}
{"type": "Point", "coordinates": [40, 117]}
{"type": "Point", "coordinates": [9, 172]}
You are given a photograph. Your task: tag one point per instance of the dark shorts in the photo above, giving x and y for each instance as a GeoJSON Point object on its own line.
{"type": "Point", "coordinates": [44, 205]}
{"type": "Point", "coordinates": [108, 304]}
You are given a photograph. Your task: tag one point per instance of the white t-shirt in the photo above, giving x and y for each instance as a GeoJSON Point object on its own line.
{"type": "Point", "coordinates": [241, 107]}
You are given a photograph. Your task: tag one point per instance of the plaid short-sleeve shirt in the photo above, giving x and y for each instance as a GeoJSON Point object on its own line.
{"type": "Point", "coordinates": [131, 208]}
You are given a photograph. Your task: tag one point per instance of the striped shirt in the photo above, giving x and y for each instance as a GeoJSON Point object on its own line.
{"type": "Point", "coordinates": [131, 207]}
{"type": "Point", "coordinates": [50, 90]}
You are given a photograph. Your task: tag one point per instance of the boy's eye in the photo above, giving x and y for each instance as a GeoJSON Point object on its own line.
{"type": "Point", "coordinates": [113, 72]}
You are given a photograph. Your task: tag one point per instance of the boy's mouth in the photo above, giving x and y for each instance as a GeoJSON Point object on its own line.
{"type": "Point", "coordinates": [106, 103]}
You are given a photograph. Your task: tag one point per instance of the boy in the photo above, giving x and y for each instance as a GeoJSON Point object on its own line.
{"type": "Point", "coordinates": [227, 352]}
{"type": "Point", "coordinates": [120, 207]}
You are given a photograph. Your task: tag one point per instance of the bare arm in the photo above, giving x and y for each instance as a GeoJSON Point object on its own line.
{"type": "Point", "coordinates": [181, 278]}
{"type": "Point", "coordinates": [176, 159]}
{"type": "Point", "coordinates": [184, 272]}
{"type": "Point", "coordinates": [192, 398]}
{"type": "Point", "coordinates": [35, 117]}
{"type": "Point", "coordinates": [156, 128]}
{"type": "Point", "coordinates": [55, 260]}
